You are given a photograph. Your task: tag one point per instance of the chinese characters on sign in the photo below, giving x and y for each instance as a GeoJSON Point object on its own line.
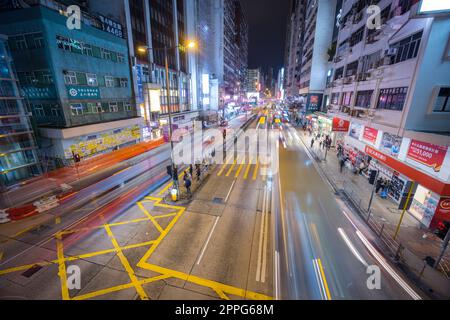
{"type": "Point", "coordinates": [427, 154]}
{"type": "Point", "coordinates": [111, 26]}
{"type": "Point", "coordinates": [39, 92]}
{"type": "Point", "coordinates": [83, 92]}
{"type": "Point", "coordinates": [370, 134]}
{"type": "Point", "coordinates": [340, 125]}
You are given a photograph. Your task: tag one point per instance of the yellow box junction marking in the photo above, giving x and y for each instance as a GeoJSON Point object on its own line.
{"type": "Point", "coordinates": [247, 170]}
{"type": "Point", "coordinates": [221, 289]}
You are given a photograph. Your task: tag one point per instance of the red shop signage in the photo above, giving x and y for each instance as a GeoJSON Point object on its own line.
{"type": "Point", "coordinates": [424, 179]}
{"type": "Point", "coordinates": [370, 134]}
{"type": "Point", "coordinates": [442, 212]}
{"type": "Point", "coordinates": [428, 154]}
{"type": "Point", "coordinates": [340, 125]}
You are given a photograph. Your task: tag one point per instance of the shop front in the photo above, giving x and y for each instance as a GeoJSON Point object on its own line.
{"type": "Point", "coordinates": [430, 198]}
{"type": "Point", "coordinates": [336, 128]}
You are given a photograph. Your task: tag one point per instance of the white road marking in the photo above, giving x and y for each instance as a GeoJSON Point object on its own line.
{"type": "Point", "coordinates": [387, 267]}
{"type": "Point", "coordinates": [352, 247]}
{"type": "Point", "coordinates": [265, 240]}
{"type": "Point", "coordinates": [207, 240]}
{"type": "Point", "coordinates": [276, 264]}
{"type": "Point", "coordinates": [261, 233]}
{"type": "Point", "coordinates": [229, 191]}
{"type": "Point", "coordinates": [319, 279]}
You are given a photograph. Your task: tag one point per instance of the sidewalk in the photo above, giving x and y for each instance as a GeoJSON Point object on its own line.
{"type": "Point", "coordinates": [384, 212]}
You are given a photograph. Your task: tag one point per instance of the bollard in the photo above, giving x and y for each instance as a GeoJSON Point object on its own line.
{"type": "Point", "coordinates": [174, 194]}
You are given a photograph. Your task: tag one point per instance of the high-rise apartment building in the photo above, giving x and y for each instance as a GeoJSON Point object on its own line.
{"type": "Point", "coordinates": [18, 156]}
{"type": "Point", "coordinates": [77, 81]}
{"type": "Point", "coordinates": [388, 100]}
{"type": "Point", "coordinates": [294, 47]}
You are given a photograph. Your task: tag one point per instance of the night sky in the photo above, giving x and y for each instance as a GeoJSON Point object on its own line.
{"type": "Point", "coordinates": [267, 32]}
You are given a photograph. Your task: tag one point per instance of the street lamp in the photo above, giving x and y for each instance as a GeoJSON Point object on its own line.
{"type": "Point", "coordinates": [190, 45]}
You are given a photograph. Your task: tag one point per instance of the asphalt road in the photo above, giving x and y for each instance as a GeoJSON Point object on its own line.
{"type": "Point", "coordinates": [322, 252]}
{"type": "Point", "coordinates": [32, 254]}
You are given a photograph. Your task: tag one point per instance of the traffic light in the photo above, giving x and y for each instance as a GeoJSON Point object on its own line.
{"type": "Point", "coordinates": [169, 170]}
{"type": "Point", "coordinates": [373, 176]}
{"type": "Point", "coordinates": [442, 229]}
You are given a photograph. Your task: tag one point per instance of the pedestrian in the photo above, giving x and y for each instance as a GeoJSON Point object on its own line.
{"type": "Point", "coordinates": [198, 171]}
{"type": "Point", "coordinates": [175, 176]}
{"type": "Point", "coordinates": [378, 185]}
{"type": "Point", "coordinates": [187, 184]}
{"type": "Point", "coordinates": [312, 143]}
{"type": "Point", "coordinates": [341, 164]}
{"type": "Point", "coordinates": [320, 145]}
{"type": "Point", "coordinates": [191, 169]}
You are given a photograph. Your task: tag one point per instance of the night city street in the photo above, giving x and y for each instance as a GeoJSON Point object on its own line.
{"type": "Point", "coordinates": [210, 150]}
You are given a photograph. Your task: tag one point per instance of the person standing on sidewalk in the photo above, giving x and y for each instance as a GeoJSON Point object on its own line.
{"type": "Point", "coordinates": [191, 169]}
{"type": "Point", "coordinates": [312, 143]}
{"type": "Point", "coordinates": [175, 176]}
{"type": "Point", "coordinates": [341, 163]}
{"type": "Point", "coordinates": [187, 184]}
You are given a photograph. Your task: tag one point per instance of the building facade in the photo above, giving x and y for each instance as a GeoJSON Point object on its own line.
{"type": "Point", "coordinates": [387, 101]}
{"type": "Point", "coordinates": [77, 81]}
{"type": "Point", "coordinates": [294, 47]}
{"type": "Point", "coordinates": [18, 156]}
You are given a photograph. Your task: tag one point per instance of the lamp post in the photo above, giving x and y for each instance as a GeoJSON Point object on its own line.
{"type": "Point", "coordinates": [190, 45]}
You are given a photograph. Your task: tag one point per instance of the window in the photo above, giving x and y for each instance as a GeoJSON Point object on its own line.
{"type": "Point", "coordinates": [357, 36]}
{"type": "Point", "coordinates": [76, 109]}
{"type": "Point", "coordinates": [347, 98]}
{"type": "Point", "coordinates": [113, 107]}
{"type": "Point", "coordinates": [351, 69]}
{"type": "Point", "coordinates": [63, 43]}
{"type": "Point", "coordinates": [70, 77]}
{"type": "Point", "coordinates": [38, 110]}
{"type": "Point", "coordinates": [335, 98]}
{"type": "Point", "coordinates": [127, 106]}
{"type": "Point", "coordinates": [123, 82]}
{"type": "Point", "coordinates": [363, 99]}
{"type": "Point", "coordinates": [87, 49]}
{"type": "Point", "coordinates": [109, 81]}
{"type": "Point", "coordinates": [92, 79]}
{"type": "Point", "coordinates": [120, 58]}
{"type": "Point", "coordinates": [407, 48]}
{"type": "Point", "coordinates": [20, 43]}
{"type": "Point", "coordinates": [339, 73]}
{"type": "Point", "coordinates": [106, 54]}
{"type": "Point", "coordinates": [392, 98]}
{"type": "Point", "coordinates": [94, 108]}
{"type": "Point", "coordinates": [55, 112]}
{"type": "Point", "coordinates": [442, 103]}
{"type": "Point", "coordinates": [38, 40]}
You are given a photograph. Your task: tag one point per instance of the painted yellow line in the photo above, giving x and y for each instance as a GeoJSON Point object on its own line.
{"type": "Point", "coordinates": [238, 172]}
{"type": "Point", "coordinates": [222, 295]}
{"type": "Point", "coordinates": [117, 288]}
{"type": "Point", "coordinates": [73, 258]}
{"type": "Point", "coordinates": [224, 166]}
{"type": "Point", "coordinates": [160, 229]}
{"type": "Point", "coordinates": [25, 230]}
{"type": "Point", "coordinates": [255, 172]}
{"type": "Point", "coordinates": [126, 265]}
{"type": "Point", "coordinates": [57, 220]}
{"type": "Point", "coordinates": [165, 231]}
{"type": "Point", "coordinates": [166, 215]}
{"type": "Point", "coordinates": [324, 279]}
{"type": "Point", "coordinates": [1, 256]}
{"type": "Point", "coordinates": [206, 283]}
{"type": "Point", "coordinates": [62, 268]}
{"type": "Point", "coordinates": [248, 168]}
{"type": "Point", "coordinates": [231, 168]}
